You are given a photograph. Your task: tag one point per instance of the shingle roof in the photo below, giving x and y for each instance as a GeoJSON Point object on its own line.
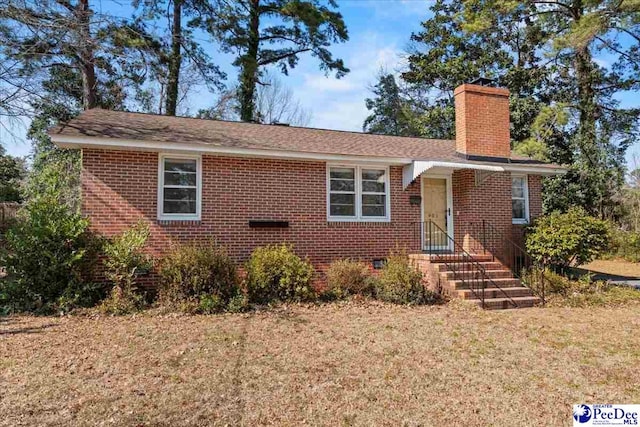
{"type": "Point", "coordinates": [216, 133]}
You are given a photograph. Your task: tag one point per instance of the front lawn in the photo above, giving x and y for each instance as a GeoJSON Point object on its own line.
{"type": "Point", "coordinates": [336, 364]}
{"type": "Point", "coordinates": [614, 267]}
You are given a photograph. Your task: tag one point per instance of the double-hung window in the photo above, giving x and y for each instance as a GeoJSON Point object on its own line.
{"type": "Point", "coordinates": [180, 187]}
{"type": "Point", "coordinates": [357, 193]}
{"type": "Point", "coordinates": [519, 199]}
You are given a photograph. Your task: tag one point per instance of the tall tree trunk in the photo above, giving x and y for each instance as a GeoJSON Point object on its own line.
{"type": "Point", "coordinates": [588, 115]}
{"type": "Point", "coordinates": [249, 64]}
{"type": "Point", "coordinates": [176, 59]}
{"type": "Point", "coordinates": [584, 76]}
{"type": "Point", "coordinates": [86, 56]}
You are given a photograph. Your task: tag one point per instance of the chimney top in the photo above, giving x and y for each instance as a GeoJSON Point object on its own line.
{"type": "Point", "coordinates": [482, 120]}
{"type": "Point", "coordinates": [483, 81]}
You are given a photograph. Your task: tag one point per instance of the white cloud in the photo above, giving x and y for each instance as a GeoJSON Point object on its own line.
{"type": "Point", "coordinates": [320, 82]}
{"type": "Point", "coordinates": [339, 103]}
{"type": "Point", "coordinates": [341, 115]}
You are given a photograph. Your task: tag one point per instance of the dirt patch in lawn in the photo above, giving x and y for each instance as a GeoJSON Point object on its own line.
{"type": "Point", "coordinates": [340, 364]}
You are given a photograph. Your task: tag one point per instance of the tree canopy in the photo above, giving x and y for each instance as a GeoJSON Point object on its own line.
{"type": "Point", "coordinates": [564, 105]}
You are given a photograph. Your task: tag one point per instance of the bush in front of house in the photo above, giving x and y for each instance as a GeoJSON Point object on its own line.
{"type": "Point", "coordinates": [348, 277]}
{"type": "Point", "coordinates": [401, 283]}
{"type": "Point", "coordinates": [276, 273]}
{"type": "Point", "coordinates": [124, 260]}
{"type": "Point", "coordinates": [48, 254]}
{"type": "Point", "coordinates": [200, 279]}
{"type": "Point", "coordinates": [565, 239]}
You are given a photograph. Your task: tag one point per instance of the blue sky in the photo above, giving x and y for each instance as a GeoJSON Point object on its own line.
{"type": "Point", "coordinates": [379, 31]}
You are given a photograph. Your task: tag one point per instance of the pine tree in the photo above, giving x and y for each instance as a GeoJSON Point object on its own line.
{"type": "Point", "coordinates": [275, 33]}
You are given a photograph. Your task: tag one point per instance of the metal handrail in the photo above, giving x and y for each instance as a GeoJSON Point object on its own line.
{"type": "Point", "coordinates": [468, 276]}
{"type": "Point", "coordinates": [508, 252]}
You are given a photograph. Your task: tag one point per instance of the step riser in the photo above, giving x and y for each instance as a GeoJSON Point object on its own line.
{"type": "Point", "coordinates": [468, 266]}
{"type": "Point", "coordinates": [497, 293]}
{"type": "Point", "coordinates": [451, 258]}
{"type": "Point", "coordinates": [503, 305]}
{"type": "Point", "coordinates": [492, 274]}
{"type": "Point", "coordinates": [498, 283]}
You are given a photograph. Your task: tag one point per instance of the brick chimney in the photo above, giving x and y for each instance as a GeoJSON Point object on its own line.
{"type": "Point", "coordinates": [482, 121]}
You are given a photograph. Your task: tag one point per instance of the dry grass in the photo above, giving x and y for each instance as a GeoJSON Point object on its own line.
{"type": "Point", "coordinates": [615, 267]}
{"type": "Point", "coordinates": [338, 364]}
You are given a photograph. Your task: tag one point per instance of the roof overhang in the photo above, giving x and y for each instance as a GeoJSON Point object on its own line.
{"type": "Point", "coordinates": [412, 168]}
{"type": "Point", "coordinates": [416, 168]}
{"type": "Point", "coordinates": [65, 141]}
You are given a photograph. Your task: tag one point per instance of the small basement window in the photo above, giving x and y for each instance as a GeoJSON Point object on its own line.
{"type": "Point", "coordinates": [179, 187]}
{"type": "Point", "coordinates": [519, 199]}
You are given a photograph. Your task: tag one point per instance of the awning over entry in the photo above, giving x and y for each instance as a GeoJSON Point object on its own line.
{"type": "Point", "coordinates": [416, 168]}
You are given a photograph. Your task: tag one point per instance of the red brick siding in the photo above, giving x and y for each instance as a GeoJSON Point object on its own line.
{"type": "Point", "coordinates": [482, 121]}
{"type": "Point", "coordinates": [120, 187]}
{"type": "Point", "coordinates": [491, 201]}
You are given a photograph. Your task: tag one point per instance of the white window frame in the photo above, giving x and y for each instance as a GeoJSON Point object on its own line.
{"type": "Point", "coordinates": [179, 216]}
{"type": "Point", "coordinates": [358, 193]}
{"type": "Point", "coordinates": [524, 220]}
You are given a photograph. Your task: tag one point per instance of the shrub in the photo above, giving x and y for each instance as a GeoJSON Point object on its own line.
{"type": "Point", "coordinates": [123, 262]}
{"type": "Point", "coordinates": [565, 239]}
{"type": "Point", "coordinates": [401, 283]}
{"type": "Point", "coordinates": [48, 255]}
{"type": "Point", "coordinates": [561, 291]}
{"type": "Point", "coordinates": [347, 277]}
{"type": "Point", "coordinates": [203, 275]}
{"type": "Point", "coordinates": [275, 272]}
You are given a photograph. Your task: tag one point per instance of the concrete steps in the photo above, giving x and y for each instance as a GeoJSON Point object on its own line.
{"type": "Point", "coordinates": [462, 276]}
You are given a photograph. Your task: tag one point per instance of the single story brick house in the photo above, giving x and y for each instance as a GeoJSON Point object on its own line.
{"type": "Point", "coordinates": [332, 194]}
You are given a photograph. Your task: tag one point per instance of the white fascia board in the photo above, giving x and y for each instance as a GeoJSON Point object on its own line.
{"type": "Point", "coordinates": [535, 170]}
{"type": "Point", "coordinates": [63, 141]}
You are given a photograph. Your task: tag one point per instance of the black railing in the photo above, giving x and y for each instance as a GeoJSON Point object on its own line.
{"type": "Point", "coordinates": [458, 261]}
{"type": "Point", "coordinates": [484, 237]}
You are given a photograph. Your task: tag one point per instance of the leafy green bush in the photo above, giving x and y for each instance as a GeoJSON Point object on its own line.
{"type": "Point", "coordinates": [276, 273]}
{"type": "Point", "coordinates": [347, 277]}
{"type": "Point", "coordinates": [198, 278]}
{"type": "Point", "coordinates": [48, 255]}
{"type": "Point", "coordinates": [123, 262]}
{"type": "Point", "coordinates": [401, 283]}
{"type": "Point", "coordinates": [565, 239]}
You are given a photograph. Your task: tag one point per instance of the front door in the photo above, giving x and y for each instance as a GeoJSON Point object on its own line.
{"type": "Point", "coordinates": [436, 213]}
